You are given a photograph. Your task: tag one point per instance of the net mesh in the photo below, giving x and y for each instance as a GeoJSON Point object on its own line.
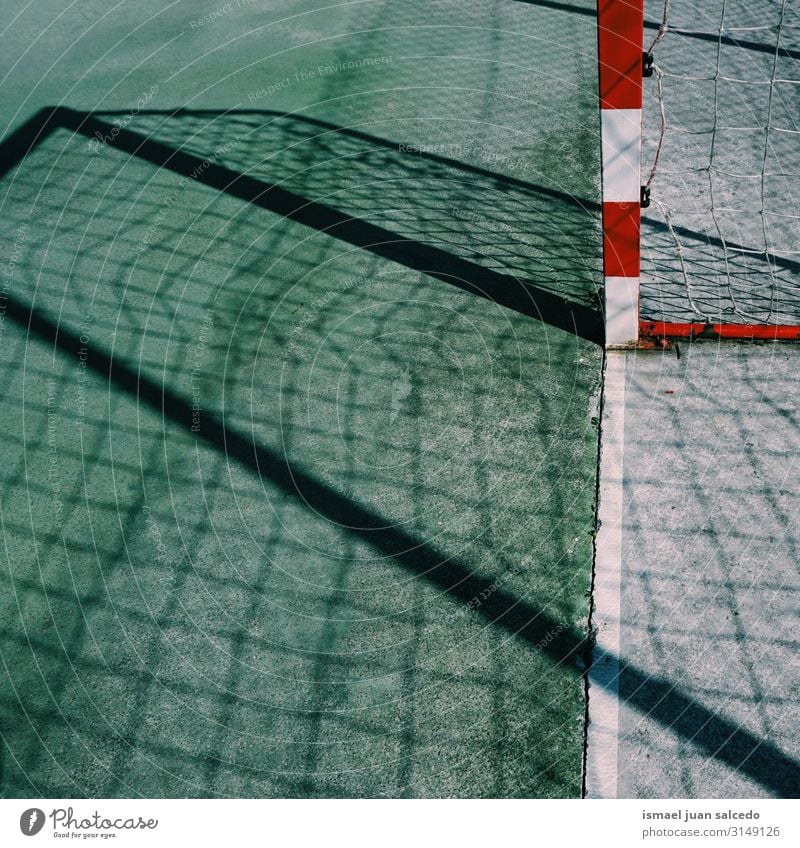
{"type": "Point", "coordinates": [721, 144]}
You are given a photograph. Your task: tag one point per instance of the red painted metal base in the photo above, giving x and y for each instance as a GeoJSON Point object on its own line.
{"type": "Point", "coordinates": [675, 330]}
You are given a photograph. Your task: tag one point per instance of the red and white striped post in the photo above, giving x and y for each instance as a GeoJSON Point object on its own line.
{"type": "Point", "coordinates": [620, 34]}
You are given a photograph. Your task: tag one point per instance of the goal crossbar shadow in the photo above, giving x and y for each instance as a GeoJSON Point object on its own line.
{"type": "Point", "coordinates": [504, 289]}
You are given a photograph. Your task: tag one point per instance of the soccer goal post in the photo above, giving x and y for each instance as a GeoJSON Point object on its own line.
{"type": "Point", "coordinates": [700, 122]}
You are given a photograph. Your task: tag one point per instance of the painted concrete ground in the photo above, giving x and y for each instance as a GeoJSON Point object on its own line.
{"type": "Point", "coordinates": [710, 581]}
{"type": "Point", "coordinates": [289, 508]}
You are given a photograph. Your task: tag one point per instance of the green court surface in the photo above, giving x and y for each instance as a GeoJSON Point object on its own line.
{"type": "Point", "coordinates": [300, 368]}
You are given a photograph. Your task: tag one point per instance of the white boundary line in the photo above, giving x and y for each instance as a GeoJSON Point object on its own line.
{"type": "Point", "coordinates": [602, 739]}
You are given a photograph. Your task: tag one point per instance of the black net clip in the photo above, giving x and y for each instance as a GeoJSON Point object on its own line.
{"type": "Point", "coordinates": [644, 197]}
{"type": "Point", "coordinates": [647, 64]}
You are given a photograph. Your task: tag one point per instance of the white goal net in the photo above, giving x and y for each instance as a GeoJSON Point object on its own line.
{"type": "Point", "coordinates": [721, 155]}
